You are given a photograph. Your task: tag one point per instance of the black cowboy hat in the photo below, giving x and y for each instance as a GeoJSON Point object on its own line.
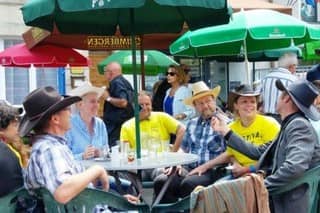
{"type": "Point", "coordinates": [241, 90]}
{"type": "Point", "coordinates": [302, 93]}
{"type": "Point", "coordinates": [40, 104]}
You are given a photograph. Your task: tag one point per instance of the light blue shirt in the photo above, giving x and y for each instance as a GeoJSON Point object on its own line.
{"type": "Point", "coordinates": [178, 105]}
{"type": "Point", "coordinates": [79, 138]}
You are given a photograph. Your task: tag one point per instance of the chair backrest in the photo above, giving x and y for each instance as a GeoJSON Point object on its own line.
{"type": "Point", "coordinates": [87, 200]}
{"type": "Point", "coordinates": [181, 205]}
{"type": "Point", "coordinates": [312, 179]}
{"type": "Point", "coordinates": [8, 202]}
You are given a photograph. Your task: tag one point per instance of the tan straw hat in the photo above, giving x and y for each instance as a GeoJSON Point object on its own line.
{"type": "Point", "coordinates": [199, 90]}
{"type": "Point", "coordinates": [86, 88]}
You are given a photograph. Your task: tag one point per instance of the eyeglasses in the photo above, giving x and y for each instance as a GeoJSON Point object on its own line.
{"type": "Point", "coordinates": [171, 73]}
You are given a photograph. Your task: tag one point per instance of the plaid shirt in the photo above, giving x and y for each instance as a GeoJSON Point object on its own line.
{"type": "Point", "coordinates": [51, 163]}
{"type": "Point", "coordinates": [202, 140]}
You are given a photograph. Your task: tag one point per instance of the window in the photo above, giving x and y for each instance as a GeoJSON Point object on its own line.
{"type": "Point", "coordinates": [18, 83]}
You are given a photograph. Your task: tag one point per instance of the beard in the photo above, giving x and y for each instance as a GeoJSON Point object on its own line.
{"type": "Point", "coordinates": [208, 113]}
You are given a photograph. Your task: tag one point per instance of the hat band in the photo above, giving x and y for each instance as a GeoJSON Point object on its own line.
{"type": "Point", "coordinates": [35, 117]}
{"type": "Point", "coordinates": [199, 93]}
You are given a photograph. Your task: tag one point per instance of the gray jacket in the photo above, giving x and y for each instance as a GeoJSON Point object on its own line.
{"type": "Point", "coordinates": [294, 151]}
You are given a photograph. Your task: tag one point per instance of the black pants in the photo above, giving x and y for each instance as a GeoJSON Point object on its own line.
{"type": "Point", "coordinates": [182, 186]}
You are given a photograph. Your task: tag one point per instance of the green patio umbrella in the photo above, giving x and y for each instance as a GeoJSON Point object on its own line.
{"type": "Point", "coordinates": [263, 55]}
{"type": "Point", "coordinates": [311, 51]}
{"type": "Point", "coordinates": [103, 17]}
{"type": "Point", "coordinates": [248, 31]}
{"type": "Point", "coordinates": [155, 62]}
{"type": "Point", "coordinates": [134, 17]}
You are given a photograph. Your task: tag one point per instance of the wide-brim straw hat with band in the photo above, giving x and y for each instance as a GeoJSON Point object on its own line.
{"type": "Point", "coordinates": [86, 88]}
{"type": "Point", "coordinates": [241, 90]}
{"type": "Point", "coordinates": [199, 90]}
{"type": "Point", "coordinates": [40, 104]}
{"type": "Point", "coordinates": [303, 94]}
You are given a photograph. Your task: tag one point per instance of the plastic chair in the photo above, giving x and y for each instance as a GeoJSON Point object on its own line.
{"type": "Point", "coordinates": [312, 179]}
{"type": "Point", "coordinates": [181, 205]}
{"type": "Point", "coordinates": [9, 201]}
{"type": "Point", "coordinates": [87, 200]}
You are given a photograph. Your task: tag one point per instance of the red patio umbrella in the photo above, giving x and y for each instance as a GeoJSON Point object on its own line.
{"type": "Point", "coordinates": [41, 56]}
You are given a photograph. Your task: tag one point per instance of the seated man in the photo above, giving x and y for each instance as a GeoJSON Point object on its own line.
{"type": "Point", "coordinates": [249, 124]}
{"type": "Point", "coordinates": [199, 139]}
{"type": "Point", "coordinates": [159, 122]}
{"type": "Point", "coordinates": [52, 164]}
{"type": "Point", "coordinates": [292, 153]}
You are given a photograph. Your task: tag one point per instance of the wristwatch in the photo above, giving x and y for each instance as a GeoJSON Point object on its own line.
{"type": "Point", "coordinates": [108, 99]}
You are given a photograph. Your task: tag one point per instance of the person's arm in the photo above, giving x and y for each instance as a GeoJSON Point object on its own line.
{"type": "Point", "coordinates": [179, 136]}
{"type": "Point", "coordinates": [73, 185]}
{"type": "Point", "coordinates": [117, 102]}
{"type": "Point", "coordinates": [236, 142]}
{"type": "Point", "coordinates": [220, 159]}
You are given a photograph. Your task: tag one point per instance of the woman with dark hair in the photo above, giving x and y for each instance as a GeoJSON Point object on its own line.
{"type": "Point", "coordinates": [10, 159]}
{"type": "Point", "coordinates": [173, 102]}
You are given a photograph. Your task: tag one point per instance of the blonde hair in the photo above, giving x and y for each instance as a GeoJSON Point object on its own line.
{"type": "Point", "coordinates": [22, 149]}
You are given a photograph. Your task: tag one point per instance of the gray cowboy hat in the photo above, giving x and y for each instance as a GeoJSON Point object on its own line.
{"type": "Point", "coordinates": [303, 94]}
{"type": "Point", "coordinates": [241, 90]}
{"type": "Point", "coordinates": [40, 104]}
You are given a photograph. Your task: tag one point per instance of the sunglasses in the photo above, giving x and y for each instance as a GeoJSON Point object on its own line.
{"type": "Point", "coordinates": [171, 73]}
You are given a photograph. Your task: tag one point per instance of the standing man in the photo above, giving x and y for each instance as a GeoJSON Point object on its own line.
{"type": "Point", "coordinates": [118, 101]}
{"type": "Point", "coordinates": [292, 153]}
{"type": "Point", "coordinates": [51, 163]}
{"type": "Point", "coordinates": [286, 74]}
{"type": "Point", "coordinates": [199, 139]}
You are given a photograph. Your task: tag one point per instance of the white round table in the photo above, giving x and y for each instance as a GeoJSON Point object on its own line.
{"type": "Point", "coordinates": [164, 160]}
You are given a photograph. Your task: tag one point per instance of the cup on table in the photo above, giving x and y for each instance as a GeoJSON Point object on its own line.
{"type": "Point", "coordinates": [131, 156]}
{"type": "Point", "coordinates": [154, 147]}
{"type": "Point", "coordinates": [115, 152]}
{"type": "Point", "coordinates": [165, 146]}
{"type": "Point", "coordinates": [104, 152]}
{"type": "Point", "coordinates": [144, 139]}
{"type": "Point", "coordinates": [124, 149]}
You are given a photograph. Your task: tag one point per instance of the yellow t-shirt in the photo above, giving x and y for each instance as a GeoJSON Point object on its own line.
{"type": "Point", "coordinates": [262, 130]}
{"type": "Point", "coordinates": [16, 153]}
{"type": "Point", "coordinates": [160, 125]}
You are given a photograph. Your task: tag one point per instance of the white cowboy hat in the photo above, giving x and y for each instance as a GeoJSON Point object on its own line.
{"type": "Point", "coordinates": [86, 88]}
{"type": "Point", "coordinates": [199, 90]}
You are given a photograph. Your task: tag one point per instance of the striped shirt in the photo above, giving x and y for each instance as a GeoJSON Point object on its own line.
{"type": "Point", "coordinates": [202, 140]}
{"type": "Point", "coordinates": [51, 163]}
{"type": "Point", "coordinates": [270, 93]}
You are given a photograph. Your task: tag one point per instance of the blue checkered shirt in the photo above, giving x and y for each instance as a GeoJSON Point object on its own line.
{"type": "Point", "coordinates": [202, 140]}
{"type": "Point", "coordinates": [51, 163]}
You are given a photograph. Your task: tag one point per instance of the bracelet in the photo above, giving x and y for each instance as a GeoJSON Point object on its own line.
{"type": "Point", "coordinates": [252, 169]}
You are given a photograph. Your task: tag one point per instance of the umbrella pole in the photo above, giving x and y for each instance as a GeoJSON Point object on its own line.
{"type": "Point", "coordinates": [134, 65]}
{"type": "Point", "coordinates": [143, 73]}
{"type": "Point", "coordinates": [246, 61]}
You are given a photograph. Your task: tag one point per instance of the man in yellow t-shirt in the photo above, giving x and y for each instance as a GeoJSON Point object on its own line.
{"type": "Point", "coordinates": [249, 124]}
{"type": "Point", "coordinates": [158, 125]}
